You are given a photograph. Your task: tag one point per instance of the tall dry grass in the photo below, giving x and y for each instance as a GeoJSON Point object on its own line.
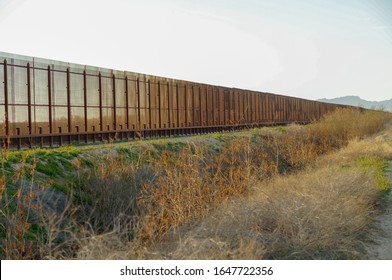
{"type": "Point", "coordinates": [192, 182]}
{"type": "Point", "coordinates": [316, 214]}
{"type": "Point", "coordinates": [128, 204]}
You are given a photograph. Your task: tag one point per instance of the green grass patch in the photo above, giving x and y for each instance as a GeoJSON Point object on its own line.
{"type": "Point", "coordinates": [86, 163]}
{"type": "Point", "coordinates": [61, 188]}
{"type": "Point", "coordinates": [66, 164]}
{"type": "Point", "coordinates": [126, 151]}
{"type": "Point", "coordinates": [51, 167]}
{"type": "Point", "coordinates": [176, 146]}
{"type": "Point", "coordinates": [13, 157]}
{"type": "Point", "coordinates": [379, 166]}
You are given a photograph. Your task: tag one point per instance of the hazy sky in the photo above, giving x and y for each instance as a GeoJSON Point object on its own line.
{"type": "Point", "coordinates": [310, 49]}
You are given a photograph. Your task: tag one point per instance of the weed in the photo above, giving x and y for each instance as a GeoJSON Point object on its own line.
{"type": "Point", "coordinates": [50, 167]}
{"type": "Point", "coordinates": [378, 165]}
{"type": "Point", "coordinates": [227, 188]}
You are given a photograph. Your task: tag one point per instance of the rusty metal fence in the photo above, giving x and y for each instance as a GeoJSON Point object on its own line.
{"type": "Point", "coordinates": [45, 102]}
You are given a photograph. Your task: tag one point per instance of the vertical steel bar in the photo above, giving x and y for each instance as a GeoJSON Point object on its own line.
{"type": "Point", "coordinates": [258, 108]}
{"type": "Point", "coordinates": [272, 107]}
{"type": "Point", "coordinates": [255, 106]}
{"type": "Point", "coordinates": [212, 106]}
{"type": "Point", "coordinates": [42, 138]}
{"type": "Point", "coordinates": [243, 107]}
{"type": "Point", "coordinates": [234, 108]}
{"type": "Point", "coordinates": [225, 106]}
{"type": "Point", "coordinates": [159, 105]}
{"type": "Point", "coordinates": [247, 108]}
{"type": "Point", "coordinates": [138, 103]}
{"type": "Point", "coordinates": [207, 117]}
{"type": "Point", "coordinates": [267, 108]}
{"type": "Point", "coordinates": [29, 100]}
{"type": "Point", "coordinates": [149, 104]}
{"type": "Point", "coordinates": [100, 102]}
{"type": "Point", "coordinates": [114, 103]}
{"type": "Point", "coordinates": [229, 107]}
{"type": "Point", "coordinates": [252, 107]}
{"type": "Point", "coordinates": [7, 121]}
{"type": "Point", "coordinates": [19, 139]}
{"type": "Point", "coordinates": [186, 105]}
{"type": "Point", "coordinates": [126, 104]}
{"type": "Point", "coordinates": [217, 101]}
{"type": "Point", "coordinates": [217, 105]}
{"type": "Point", "coordinates": [168, 104]}
{"type": "Point", "coordinates": [200, 111]}
{"type": "Point", "coordinates": [250, 104]}
{"type": "Point", "coordinates": [85, 104]}
{"type": "Point", "coordinates": [193, 106]}
{"type": "Point", "coordinates": [50, 104]}
{"type": "Point", "coordinates": [178, 107]}
{"type": "Point", "coordinates": [69, 103]}
{"type": "Point", "coordinates": [61, 136]}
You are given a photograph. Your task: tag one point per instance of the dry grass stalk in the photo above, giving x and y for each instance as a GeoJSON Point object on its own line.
{"type": "Point", "coordinates": [140, 203]}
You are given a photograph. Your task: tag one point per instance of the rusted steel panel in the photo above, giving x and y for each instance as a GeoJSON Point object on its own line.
{"type": "Point", "coordinates": [186, 106]}
{"type": "Point", "coordinates": [40, 116]}
{"type": "Point", "coordinates": [17, 100]}
{"type": "Point", "coordinates": [176, 106]}
{"type": "Point", "coordinates": [159, 105]}
{"type": "Point", "coordinates": [164, 96]}
{"type": "Point", "coordinates": [180, 104]}
{"type": "Point", "coordinates": [139, 119]}
{"type": "Point", "coordinates": [45, 99]}
{"type": "Point", "coordinates": [163, 93]}
{"type": "Point", "coordinates": [189, 105]}
{"type": "Point", "coordinates": [143, 97]}
{"type": "Point", "coordinates": [201, 108]}
{"type": "Point", "coordinates": [214, 107]}
{"type": "Point", "coordinates": [246, 109]}
{"type": "Point", "coordinates": [120, 101]}
{"type": "Point", "coordinates": [207, 118]}
{"type": "Point", "coordinates": [240, 109]}
{"type": "Point", "coordinates": [133, 120]}
{"type": "Point", "coordinates": [169, 103]}
{"type": "Point", "coordinates": [235, 106]}
{"type": "Point", "coordinates": [221, 106]}
{"type": "Point", "coordinates": [194, 102]}
{"type": "Point", "coordinates": [154, 95]}
{"type": "Point", "coordinates": [126, 104]}
{"type": "Point", "coordinates": [150, 105]}
{"type": "Point", "coordinates": [229, 106]}
{"type": "Point", "coordinates": [253, 107]}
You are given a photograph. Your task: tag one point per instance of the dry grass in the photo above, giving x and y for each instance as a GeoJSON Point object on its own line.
{"type": "Point", "coordinates": [226, 200]}
{"type": "Point", "coordinates": [298, 216]}
{"type": "Point", "coordinates": [316, 214]}
{"type": "Point", "coordinates": [321, 212]}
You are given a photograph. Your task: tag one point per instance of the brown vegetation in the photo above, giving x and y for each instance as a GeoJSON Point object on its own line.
{"type": "Point", "coordinates": [214, 198]}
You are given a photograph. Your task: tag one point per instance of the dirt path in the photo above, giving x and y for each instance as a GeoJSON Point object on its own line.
{"type": "Point", "coordinates": [381, 249]}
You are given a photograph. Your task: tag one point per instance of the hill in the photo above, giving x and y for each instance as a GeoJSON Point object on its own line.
{"type": "Point", "coordinates": [357, 101]}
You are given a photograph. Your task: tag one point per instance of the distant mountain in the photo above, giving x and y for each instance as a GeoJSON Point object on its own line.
{"type": "Point", "coordinates": [357, 101]}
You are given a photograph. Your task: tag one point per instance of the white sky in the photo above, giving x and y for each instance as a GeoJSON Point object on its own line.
{"type": "Point", "coordinates": [310, 49]}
